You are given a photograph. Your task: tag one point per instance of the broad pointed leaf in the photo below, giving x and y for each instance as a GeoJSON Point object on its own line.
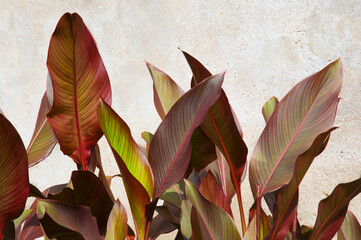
{"type": "Point", "coordinates": [117, 223]}
{"type": "Point", "coordinates": [174, 194]}
{"type": "Point", "coordinates": [308, 110]}
{"type": "Point", "coordinates": [221, 124]}
{"type": "Point", "coordinates": [287, 196]}
{"type": "Point", "coordinates": [170, 212]}
{"type": "Point", "coordinates": [203, 150]}
{"type": "Point", "coordinates": [210, 189]}
{"type": "Point", "coordinates": [160, 226]}
{"type": "Point", "coordinates": [138, 197]}
{"type": "Point", "coordinates": [350, 228]}
{"type": "Point", "coordinates": [166, 91]}
{"type": "Point", "coordinates": [185, 223]}
{"type": "Point", "coordinates": [79, 80]}
{"type": "Point", "coordinates": [332, 210]}
{"type": "Point", "coordinates": [43, 140]}
{"type": "Point", "coordinates": [170, 149]}
{"type": "Point", "coordinates": [14, 178]}
{"type": "Point", "coordinates": [269, 107]}
{"type": "Point", "coordinates": [75, 218]}
{"type": "Point", "coordinates": [213, 221]}
{"type": "Point", "coordinates": [121, 141]}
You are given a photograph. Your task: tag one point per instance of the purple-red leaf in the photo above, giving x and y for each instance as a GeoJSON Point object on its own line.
{"type": "Point", "coordinates": [308, 110]}
{"type": "Point", "coordinates": [350, 228]}
{"type": "Point", "coordinates": [79, 80]}
{"type": "Point", "coordinates": [14, 178]}
{"type": "Point", "coordinates": [287, 196]}
{"type": "Point", "coordinates": [332, 210]}
{"type": "Point", "coordinates": [170, 148]}
{"type": "Point", "coordinates": [43, 140]}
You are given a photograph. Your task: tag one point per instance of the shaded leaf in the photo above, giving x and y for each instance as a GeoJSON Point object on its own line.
{"type": "Point", "coordinates": [14, 178]}
{"type": "Point", "coordinates": [210, 189]}
{"type": "Point", "coordinates": [170, 149]}
{"type": "Point", "coordinates": [203, 150]}
{"type": "Point", "coordinates": [332, 210]}
{"type": "Point", "coordinates": [79, 80]}
{"type": "Point", "coordinates": [213, 221]}
{"type": "Point", "coordinates": [117, 226]}
{"type": "Point", "coordinates": [147, 136]}
{"type": "Point", "coordinates": [269, 107]}
{"type": "Point", "coordinates": [75, 218]}
{"type": "Point", "coordinates": [221, 125]}
{"type": "Point", "coordinates": [308, 110]}
{"type": "Point", "coordinates": [174, 194]}
{"type": "Point", "coordinates": [287, 196]}
{"type": "Point", "coordinates": [43, 140]}
{"type": "Point", "coordinates": [185, 223]}
{"type": "Point", "coordinates": [165, 91]}
{"type": "Point", "coordinates": [121, 141]}
{"type": "Point", "coordinates": [350, 228]}
{"type": "Point", "coordinates": [9, 231]}
{"type": "Point", "coordinates": [160, 226]}
{"type": "Point", "coordinates": [170, 212]}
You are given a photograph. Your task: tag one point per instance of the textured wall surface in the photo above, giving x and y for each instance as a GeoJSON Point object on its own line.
{"type": "Point", "coordinates": [265, 46]}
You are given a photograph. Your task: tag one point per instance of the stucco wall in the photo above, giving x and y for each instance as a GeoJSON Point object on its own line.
{"type": "Point", "coordinates": [265, 46]}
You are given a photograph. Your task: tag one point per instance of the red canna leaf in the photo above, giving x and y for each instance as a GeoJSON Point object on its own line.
{"type": "Point", "coordinates": [79, 80]}
{"type": "Point", "coordinates": [308, 110]}
{"type": "Point", "coordinates": [14, 178]}
{"type": "Point", "coordinates": [350, 228]}
{"type": "Point", "coordinates": [170, 148]}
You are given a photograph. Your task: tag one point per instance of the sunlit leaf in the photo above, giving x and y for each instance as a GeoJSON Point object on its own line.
{"type": "Point", "coordinates": [287, 196]}
{"type": "Point", "coordinates": [120, 139]}
{"type": "Point", "coordinates": [350, 228]}
{"type": "Point", "coordinates": [170, 148]}
{"type": "Point", "coordinates": [332, 210]}
{"type": "Point", "coordinates": [308, 110]}
{"type": "Point", "coordinates": [269, 107]}
{"type": "Point", "coordinates": [79, 80]}
{"type": "Point", "coordinates": [213, 221]}
{"type": "Point", "coordinates": [43, 140]}
{"type": "Point", "coordinates": [117, 226]}
{"type": "Point", "coordinates": [75, 218]}
{"type": "Point", "coordinates": [14, 178]}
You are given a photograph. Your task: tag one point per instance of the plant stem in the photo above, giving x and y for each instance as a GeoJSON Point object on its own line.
{"type": "Point", "coordinates": [239, 198]}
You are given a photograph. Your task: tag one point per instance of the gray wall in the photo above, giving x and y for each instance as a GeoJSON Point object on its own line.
{"type": "Point", "coordinates": [265, 46]}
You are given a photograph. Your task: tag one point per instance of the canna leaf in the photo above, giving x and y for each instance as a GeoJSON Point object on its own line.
{"type": "Point", "coordinates": [75, 218]}
{"type": "Point", "coordinates": [305, 112]}
{"type": "Point", "coordinates": [214, 222]}
{"type": "Point", "coordinates": [210, 190]}
{"type": "Point", "coordinates": [287, 196]}
{"type": "Point", "coordinates": [350, 228]}
{"type": "Point", "coordinates": [332, 210]}
{"type": "Point", "coordinates": [147, 136]}
{"type": "Point", "coordinates": [79, 80]}
{"type": "Point", "coordinates": [222, 127]}
{"type": "Point", "coordinates": [14, 178]}
{"type": "Point", "coordinates": [269, 107]}
{"type": "Point", "coordinates": [43, 140]}
{"type": "Point", "coordinates": [122, 143]}
{"type": "Point", "coordinates": [138, 197]}
{"type": "Point", "coordinates": [160, 226]}
{"type": "Point", "coordinates": [170, 148]}
{"type": "Point", "coordinates": [166, 91]}
{"type": "Point", "coordinates": [117, 226]}
{"type": "Point", "coordinates": [185, 221]}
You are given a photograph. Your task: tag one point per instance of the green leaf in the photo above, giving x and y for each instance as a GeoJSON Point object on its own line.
{"type": "Point", "coordinates": [332, 210]}
{"type": "Point", "coordinates": [213, 221]}
{"type": "Point", "coordinates": [350, 228]}
{"type": "Point", "coordinates": [147, 136]}
{"type": "Point", "coordinates": [185, 222]}
{"type": "Point", "coordinates": [122, 143]}
{"type": "Point", "coordinates": [117, 226]}
{"type": "Point", "coordinates": [75, 218]}
{"type": "Point", "coordinates": [287, 196]}
{"type": "Point", "coordinates": [79, 80]}
{"type": "Point", "coordinates": [14, 178]}
{"type": "Point", "coordinates": [308, 110]}
{"type": "Point", "coordinates": [170, 148]}
{"type": "Point", "coordinates": [269, 107]}
{"type": "Point", "coordinates": [138, 197]}
{"type": "Point", "coordinates": [43, 140]}
{"type": "Point", "coordinates": [221, 124]}
{"type": "Point", "coordinates": [166, 91]}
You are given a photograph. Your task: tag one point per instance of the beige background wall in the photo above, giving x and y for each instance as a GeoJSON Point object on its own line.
{"type": "Point", "coordinates": [265, 46]}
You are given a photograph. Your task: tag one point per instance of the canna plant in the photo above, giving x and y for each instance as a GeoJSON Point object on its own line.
{"type": "Point", "coordinates": [194, 163]}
